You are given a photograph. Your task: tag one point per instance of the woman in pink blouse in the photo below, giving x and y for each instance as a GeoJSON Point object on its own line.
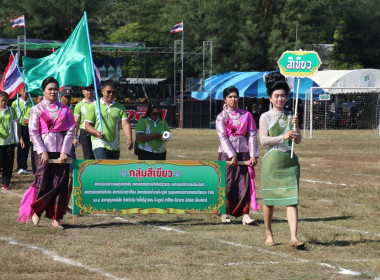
{"type": "Point", "coordinates": [51, 129]}
{"type": "Point", "coordinates": [238, 142]}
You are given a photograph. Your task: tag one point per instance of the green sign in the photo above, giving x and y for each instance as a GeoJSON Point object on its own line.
{"type": "Point", "coordinates": [148, 187]}
{"type": "Point", "coordinates": [299, 63]}
{"type": "Point", "coordinates": [324, 97]}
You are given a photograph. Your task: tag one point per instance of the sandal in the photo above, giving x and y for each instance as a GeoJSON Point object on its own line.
{"type": "Point", "coordinates": [225, 219]}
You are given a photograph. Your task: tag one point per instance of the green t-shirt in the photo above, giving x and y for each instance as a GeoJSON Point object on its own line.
{"type": "Point", "coordinates": [147, 126]}
{"type": "Point", "coordinates": [111, 122]}
{"type": "Point", "coordinates": [27, 114]}
{"type": "Point", "coordinates": [81, 111]}
{"type": "Point", "coordinates": [24, 106]}
{"type": "Point", "coordinates": [7, 132]}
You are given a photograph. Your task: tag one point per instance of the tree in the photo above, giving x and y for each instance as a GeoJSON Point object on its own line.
{"type": "Point", "coordinates": [357, 37]}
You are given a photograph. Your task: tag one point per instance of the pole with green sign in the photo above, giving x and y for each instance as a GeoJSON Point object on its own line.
{"type": "Point", "coordinates": [298, 64]}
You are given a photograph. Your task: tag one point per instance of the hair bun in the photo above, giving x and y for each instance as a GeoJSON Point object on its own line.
{"type": "Point", "coordinates": [274, 81]}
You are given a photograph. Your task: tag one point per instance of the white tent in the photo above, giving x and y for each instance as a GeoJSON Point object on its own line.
{"type": "Point", "coordinates": [353, 80]}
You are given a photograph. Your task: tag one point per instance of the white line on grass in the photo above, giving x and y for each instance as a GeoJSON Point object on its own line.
{"type": "Point", "coordinates": [58, 258]}
{"type": "Point", "coordinates": [356, 230]}
{"type": "Point", "coordinates": [340, 228]}
{"type": "Point", "coordinates": [324, 182]}
{"type": "Point", "coordinates": [340, 269]}
{"type": "Point", "coordinates": [138, 223]}
{"type": "Point", "coordinates": [339, 172]}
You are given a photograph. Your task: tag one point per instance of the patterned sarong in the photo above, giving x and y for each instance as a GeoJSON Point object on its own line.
{"type": "Point", "coordinates": [238, 187]}
{"type": "Point", "coordinates": [51, 182]}
{"type": "Point", "coordinates": [280, 178]}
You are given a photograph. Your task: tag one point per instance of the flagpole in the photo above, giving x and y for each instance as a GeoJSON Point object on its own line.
{"type": "Point", "coordinates": [183, 42]}
{"type": "Point", "coordinates": [24, 36]}
{"type": "Point", "coordinates": [22, 77]}
{"type": "Point", "coordinates": [94, 76]}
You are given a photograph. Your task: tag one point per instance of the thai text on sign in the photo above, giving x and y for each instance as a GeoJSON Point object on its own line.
{"type": "Point", "coordinates": [299, 63]}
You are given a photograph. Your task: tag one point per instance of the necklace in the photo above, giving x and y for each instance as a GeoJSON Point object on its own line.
{"type": "Point", "coordinates": [52, 111]}
{"type": "Point", "coordinates": [234, 117]}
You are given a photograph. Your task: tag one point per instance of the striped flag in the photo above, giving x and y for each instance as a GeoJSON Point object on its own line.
{"type": "Point", "coordinates": [18, 22]}
{"type": "Point", "coordinates": [12, 81]}
{"type": "Point", "coordinates": [97, 76]}
{"type": "Point", "coordinates": [177, 28]}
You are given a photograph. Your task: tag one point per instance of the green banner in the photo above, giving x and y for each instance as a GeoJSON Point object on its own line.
{"type": "Point", "coordinates": [148, 187]}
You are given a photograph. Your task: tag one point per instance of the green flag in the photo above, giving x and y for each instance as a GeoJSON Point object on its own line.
{"type": "Point", "coordinates": [71, 64]}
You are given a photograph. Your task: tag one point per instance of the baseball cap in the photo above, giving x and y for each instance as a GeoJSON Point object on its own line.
{"type": "Point", "coordinates": [66, 92]}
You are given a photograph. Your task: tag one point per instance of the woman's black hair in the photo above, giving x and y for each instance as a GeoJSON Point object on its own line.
{"type": "Point", "coordinates": [49, 80]}
{"type": "Point", "coordinates": [275, 81]}
{"type": "Point", "coordinates": [228, 90]}
{"type": "Point", "coordinates": [152, 105]}
{"type": "Point", "coordinates": [3, 93]}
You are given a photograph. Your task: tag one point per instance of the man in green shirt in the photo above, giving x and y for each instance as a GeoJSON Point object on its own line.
{"type": "Point", "coordinates": [106, 144]}
{"type": "Point", "coordinates": [80, 113]}
{"type": "Point", "coordinates": [8, 119]}
{"type": "Point", "coordinates": [21, 106]}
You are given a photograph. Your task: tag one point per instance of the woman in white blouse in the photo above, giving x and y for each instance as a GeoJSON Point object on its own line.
{"type": "Point", "coordinates": [279, 173]}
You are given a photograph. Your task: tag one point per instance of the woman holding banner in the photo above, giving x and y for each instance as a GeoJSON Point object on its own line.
{"type": "Point", "coordinates": [238, 142]}
{"type": "Point", "coordinates": [151, 133]}
{"type": "Point", "coordinates": [51, 128]}
{"type": "Point", "coordinates": [280, 172]}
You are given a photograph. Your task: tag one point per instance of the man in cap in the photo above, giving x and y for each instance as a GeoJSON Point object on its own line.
{"type": "Point", "coordinates": [66, 95]}
{"type": "Point", "coordinates": [80, 113]}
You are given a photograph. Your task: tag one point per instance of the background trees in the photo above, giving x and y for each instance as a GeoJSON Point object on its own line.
{"type": "Point", "coordinates": [246, 35]}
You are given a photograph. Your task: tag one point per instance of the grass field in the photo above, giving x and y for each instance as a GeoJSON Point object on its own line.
{"type": "Point", "coordinates": [338, 218]}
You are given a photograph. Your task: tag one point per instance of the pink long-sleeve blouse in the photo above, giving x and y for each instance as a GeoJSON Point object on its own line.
{"type": "Point", "coordinates": [237, 133]}
{"type": "Point", "coordinates": [51, 127]}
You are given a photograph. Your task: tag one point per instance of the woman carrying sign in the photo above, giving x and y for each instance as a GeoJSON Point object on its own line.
{"type": "Point", "coordinates": [51, 128]}
{"type": "Point", "coordinates": [279, 173]}
{"type": "Point", "coordinates": [238, 142]}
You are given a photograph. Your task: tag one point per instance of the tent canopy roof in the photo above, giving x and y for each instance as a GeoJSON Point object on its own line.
{"type": "Point", "coordinates": [251, 84]}
{"type": "Point", "coordinates": [353, 80]}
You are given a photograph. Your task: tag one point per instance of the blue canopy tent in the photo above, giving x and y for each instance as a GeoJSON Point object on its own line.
{"type": "Point", "coordinates": [249, 84]}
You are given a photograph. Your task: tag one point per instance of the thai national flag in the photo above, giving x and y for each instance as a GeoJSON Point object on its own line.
{"type": "Point", "coordinates": [12, 81]}
{"type": "Point", "coordinates": [177, 28]}
{"type": "Point", "coordinates": [18, 22]}
{"type": "Point", "coordinates": [97, 77]}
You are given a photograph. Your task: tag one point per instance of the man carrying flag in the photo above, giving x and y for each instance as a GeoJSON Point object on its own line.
{"type": "Point", "coordinates": [106, 145]}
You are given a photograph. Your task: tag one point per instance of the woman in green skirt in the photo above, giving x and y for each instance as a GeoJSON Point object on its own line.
{"type": "Point", "coordinates": [279, 173]}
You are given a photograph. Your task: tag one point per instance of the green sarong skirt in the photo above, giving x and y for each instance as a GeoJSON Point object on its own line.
{"type": "Point", "coordinates": [280, 177]}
